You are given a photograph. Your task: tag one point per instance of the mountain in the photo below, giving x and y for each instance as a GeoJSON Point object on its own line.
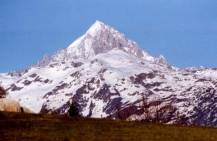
{"type": "Point", "coordinates": [100, 38]}
{"type": "Point", "coordinates": [111, 76]}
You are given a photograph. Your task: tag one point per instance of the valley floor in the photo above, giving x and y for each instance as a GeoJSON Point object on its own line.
{"type": "Point", "coordinates": [29, 127]}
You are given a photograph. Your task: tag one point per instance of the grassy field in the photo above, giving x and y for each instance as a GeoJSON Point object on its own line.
{"type": "Point", "coordinates": [27, 127]}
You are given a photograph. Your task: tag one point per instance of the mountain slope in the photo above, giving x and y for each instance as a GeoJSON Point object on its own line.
{"type": "Point", "coordinates": [100, 38]}
{"type": "Point", "coordinates": [110, 76]}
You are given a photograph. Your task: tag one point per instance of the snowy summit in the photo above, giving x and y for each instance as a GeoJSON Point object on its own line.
{"type": "Point", "coordinates": [109, 75]}
{"type": "Point", "coordinates": [101, 38]}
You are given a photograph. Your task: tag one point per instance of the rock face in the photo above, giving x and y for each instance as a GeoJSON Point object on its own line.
{"type": "Point", "coordinates": [110, 76]}
{"type": "Point", "coordinates": [9, 105]}
{"type": "Point", "coordinates": [100, 38]}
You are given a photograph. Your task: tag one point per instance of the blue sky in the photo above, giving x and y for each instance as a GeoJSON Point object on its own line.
{"type": "Point", "coordinates": [184, 31]}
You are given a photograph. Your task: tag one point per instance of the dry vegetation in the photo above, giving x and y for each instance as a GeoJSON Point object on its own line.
{"type": "Point", "coordinates": [29, 127]}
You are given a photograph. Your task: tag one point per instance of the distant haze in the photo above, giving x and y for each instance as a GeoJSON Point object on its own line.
{"type": "Point", "coordinates": [184, 31]}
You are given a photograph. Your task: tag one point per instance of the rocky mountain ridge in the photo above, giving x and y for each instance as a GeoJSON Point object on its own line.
{"type": "Point", "coordinates": [110, 76]}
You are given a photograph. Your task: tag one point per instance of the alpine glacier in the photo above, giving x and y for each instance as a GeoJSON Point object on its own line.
{"type": "Point", "coordinates": [110, 76]}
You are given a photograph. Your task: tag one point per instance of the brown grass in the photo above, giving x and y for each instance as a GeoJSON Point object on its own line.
{"type": "Point", "coordinates": [29, 127]}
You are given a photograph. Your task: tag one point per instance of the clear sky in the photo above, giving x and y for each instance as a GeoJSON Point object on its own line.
{"type": "Point", "coordinates": [184, 31]}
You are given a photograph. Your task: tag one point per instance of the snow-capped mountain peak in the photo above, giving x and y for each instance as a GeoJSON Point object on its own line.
{"type": "Point", "coordinates": [110, 76]}
{"type": "Point", "coordinates": [97, 27]}
{"type": "Point", "coordinates": [101, 38]}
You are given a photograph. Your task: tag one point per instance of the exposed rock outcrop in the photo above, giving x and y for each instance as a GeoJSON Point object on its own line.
{"type": "Point", "coordinates": [9, 105]}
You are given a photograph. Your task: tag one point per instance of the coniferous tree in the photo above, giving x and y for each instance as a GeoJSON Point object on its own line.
{"type": "Point", "coordinates": [2, 92]}
{"type": "Point", "coordinates": [73, 110]}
